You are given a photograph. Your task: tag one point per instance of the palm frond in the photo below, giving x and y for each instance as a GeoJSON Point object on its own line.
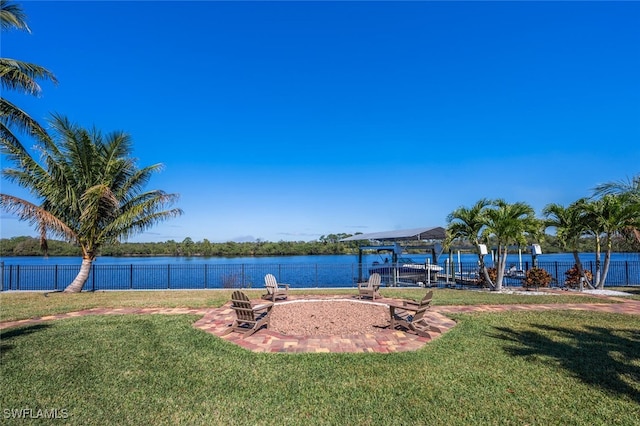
{"type": "Point", "coordinates": [12, 16]}
{"type": "Point", "coordinates": [630, 186]}
{"type": "Point", "coordinates": [13, 116]}
{"type": "Point", "coordinates": [22, 76]}
{"type": "Point", "coordinates": [36, 216]}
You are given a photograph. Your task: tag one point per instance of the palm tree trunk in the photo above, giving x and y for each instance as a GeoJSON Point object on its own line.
{"type": "Point", "coordinates": [596, 279]}
{"type": "Point", "coordinates": [502, 263]}
{"type": "Point", "coordinates": [484, 272]}
{"type": "Point", "coordinates": [607, 261]}
{"type": "Point", "coordinates": [576, 257]}
{"type": "Point", "coordinates": [80, 279]}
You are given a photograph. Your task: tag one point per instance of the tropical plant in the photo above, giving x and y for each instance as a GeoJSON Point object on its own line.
{"type": "Point", "coordinates": [629, 190]}
{"type": "Point", "coordinates": [509, 224]}
{"type": "Point", "coordinates": [488, 278]}
{"type": "Point", "coordinates": [466, 224]}
{"type": "Point", "coordinates": [570, 224]}
{"type": "Point", "coordinates": [498, 221]}
{"type": "Point", "coordinates": [608, 217]}
{"type": "Point", "coordinates": [89, 188]}
{"type": "Point", "coordinates": [630, 186]}
{"type": "Point", "coordinates": [19, 76]}
{"type": "Point", "coordinates": [537, 277]}
{"type": "Point", "coordinates": [575, 275]}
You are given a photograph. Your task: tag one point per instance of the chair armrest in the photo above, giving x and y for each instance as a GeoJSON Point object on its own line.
{"type": "Point", "coordinates": [262, 306]}
{"type": "Point", "coordinates": [409, 306]}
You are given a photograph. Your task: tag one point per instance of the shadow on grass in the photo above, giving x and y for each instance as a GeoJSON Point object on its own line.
{"type": "Point", "coordinates": [600, 357]}
{"type": "Point", "coordinates": [7, 335]}
{"type": "Point", "coordinates": [631, 290]}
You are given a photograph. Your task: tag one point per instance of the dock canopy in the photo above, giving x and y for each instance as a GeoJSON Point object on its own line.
{"type": "Point", "coordinates": [416, 234]}
{"type": "Point", "coordinates": [429, 239]}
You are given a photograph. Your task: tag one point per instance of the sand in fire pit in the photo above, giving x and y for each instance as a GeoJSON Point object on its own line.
{"type": "Point", "coordinates": [321, 318]}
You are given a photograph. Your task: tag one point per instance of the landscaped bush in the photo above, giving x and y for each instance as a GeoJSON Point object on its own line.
{"type": "Point", "coordinates": [573, 276]}
{"type": "Point", "coordinates": [493, 274]}
{"type": "Point", "coordinates": [537, 277]}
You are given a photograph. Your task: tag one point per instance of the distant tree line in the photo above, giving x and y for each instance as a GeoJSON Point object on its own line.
{"type": "Point", "coordinates": [28, 246]}
{"type": "Point", "coordinates": [329, 244]}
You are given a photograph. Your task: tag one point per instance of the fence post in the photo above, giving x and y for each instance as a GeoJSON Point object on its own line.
{"type": "Point", "coordinates": [353, 278]}
{"type": "Point", "coordinates": [168, 277]}
{"type": "Point", "coordinates": [206, 267]}
{"type": "Point", "coordinates": [131, 276]}
{"type": "Point", "coordinates": [626, 272]}
{"type": "Point", "coordinates": [2, 272]}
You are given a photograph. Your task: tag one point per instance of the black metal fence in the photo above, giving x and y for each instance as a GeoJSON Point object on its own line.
{"type": "Point", "coordinates": [177, 276]}
{"type": "Point", "coordinates": [214, 276]}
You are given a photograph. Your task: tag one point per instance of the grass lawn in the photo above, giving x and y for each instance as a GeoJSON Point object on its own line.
{"type": "Point", "coordinates": [513, 368]}
{"type": "Point", "coordinates": [634, 291]}
{"type": "Point", "coordinates": [22, 305]}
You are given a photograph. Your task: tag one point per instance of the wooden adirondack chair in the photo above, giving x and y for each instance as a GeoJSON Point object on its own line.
{"type": "Point", "coordinates": [249, 318]}
{"type": "Point", "coordinates": [370, 288]}
{"type": "Point", "coordinates": [410, 315]}
{"type": "Point", "coordinates": [274, 290]}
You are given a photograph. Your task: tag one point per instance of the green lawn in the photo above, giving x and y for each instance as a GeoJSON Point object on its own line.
{"type": "Point", "coordinates": [514, 368]}
{"type": "Point", "coordinates": [21, 305]}
{"type": "Point", "coordinates": [634, 291]}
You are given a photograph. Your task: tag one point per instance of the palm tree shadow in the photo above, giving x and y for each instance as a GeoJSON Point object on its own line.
{"type": "Point", "coordinates": [600, 357]}
{"type": "Point", "coordinates": [7, 336]}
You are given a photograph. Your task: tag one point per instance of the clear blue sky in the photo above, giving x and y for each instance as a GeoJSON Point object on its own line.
{"type": "Point", "coordinates": [292, 120]}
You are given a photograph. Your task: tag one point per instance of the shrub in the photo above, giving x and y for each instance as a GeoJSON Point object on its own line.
{"type": "Point", "coordinates": [493, 274]}
{"type": "Point", "coordinates": [537, 277]}
{"type": "Point", "coordinates": [572, 279]}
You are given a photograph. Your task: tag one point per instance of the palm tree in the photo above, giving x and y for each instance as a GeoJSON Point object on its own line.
{"type": "Point", "coordinates": [606, 217]}
{"type": "Point", "coordinates": [19, 76]}
{"type": "Point", "coordinates": [467, 224]}
{"type": "Point", "coordinates": [90, 189]}
{"type": "Point", "coordinates": [509, 224]}
{"type": "Point", "coordinates": [630, 186]}
{"type": "Point", "coordinates": [630, 190]}
{"type": "Point", "coordinates": [569, 225]}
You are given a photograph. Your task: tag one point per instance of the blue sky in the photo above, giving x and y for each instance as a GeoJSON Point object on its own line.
{"type": "Point", "coordinates": [292, 120]}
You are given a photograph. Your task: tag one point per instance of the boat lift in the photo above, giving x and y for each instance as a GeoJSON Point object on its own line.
{"type": "Point", "coordinates": [430, 240]}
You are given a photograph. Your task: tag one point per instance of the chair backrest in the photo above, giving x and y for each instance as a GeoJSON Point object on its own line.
{"type": "Point", "coordinates": [425, 304]}
{"type": "Point", "coordinates": [242, 306]}
{"type": "Point", "coordinates": [271, 283]}
{"type": "Point", "coordinates": [374, 280]}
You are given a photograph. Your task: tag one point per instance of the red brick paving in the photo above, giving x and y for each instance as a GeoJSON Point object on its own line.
{"type": "Point", "coordinates": [216, 321]}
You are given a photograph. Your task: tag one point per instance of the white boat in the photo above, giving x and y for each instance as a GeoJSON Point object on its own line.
{"type": "Point", "coordinates": [406, 270]}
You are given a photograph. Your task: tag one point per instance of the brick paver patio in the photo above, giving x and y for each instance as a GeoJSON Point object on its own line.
{"type": "Point", "coordinates": [217, 320]}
